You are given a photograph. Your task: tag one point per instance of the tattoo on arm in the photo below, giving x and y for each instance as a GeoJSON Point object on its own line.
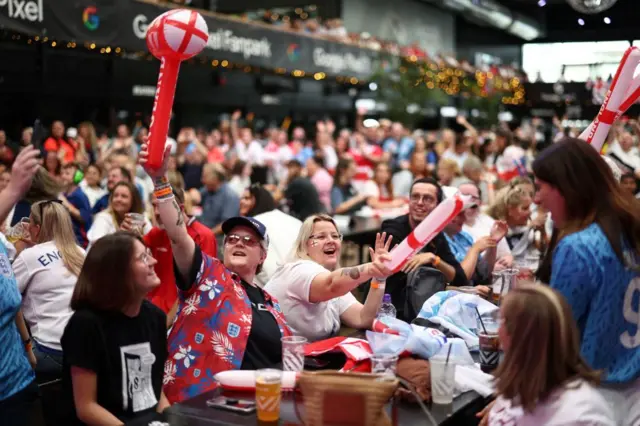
{"type": "Point", "coordinates": [180, 220]}
{"type": "Point", "coordinates": [353, 273]}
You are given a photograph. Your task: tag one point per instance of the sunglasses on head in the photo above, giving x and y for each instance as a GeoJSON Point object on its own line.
{"type": "Point", "coordinates": [45, 203]}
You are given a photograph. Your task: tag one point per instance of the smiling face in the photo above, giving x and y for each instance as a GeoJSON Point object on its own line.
{"type": "Point", "coordinates": [519, 214]}
{"type": "Point", "coordinates": [92, 176]}
{"type": "Point", "coordinates": [324, 244]}
{"type": "Point", "coordinates": [243, 251]}
{"type": "Point", "coordinates": [424, 198]}
{"type": "Point", "coordinates": [550, 199]}
{"type": "Point", "coordinates": [121, 200]}
{"type": "Point", "coordinates": [143, 272]}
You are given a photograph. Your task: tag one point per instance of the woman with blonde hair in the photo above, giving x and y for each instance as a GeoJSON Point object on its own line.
{"type": "Point", "coordinates": [46, 274]}
{"type": "Point", "coordinates": [447, 171]}
{"type": "Point", "coordinates": [543, 379]}
{"type": "Point", "coordinates": [124, 200]}
{"type": "Point", "coordinates": [527, 239]}
{"type": "Point", "coordinates": [315, 293]}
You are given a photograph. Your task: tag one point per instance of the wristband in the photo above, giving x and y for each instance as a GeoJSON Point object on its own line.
{"type": "Point", "coordinates": [161, 181]}
{"type": "Point", "coordinates": [164, 192]}
{"type": "Point", "coordinates": [436, 261]}
{"type": "Point", "coordinates": [378, 284]}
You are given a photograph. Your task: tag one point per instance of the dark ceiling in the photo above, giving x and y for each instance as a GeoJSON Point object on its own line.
{"type": "Point", "coordinates": [561, 20]}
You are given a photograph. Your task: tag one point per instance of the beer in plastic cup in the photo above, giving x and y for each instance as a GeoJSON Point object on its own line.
{"type": "Point", "coordinates": [268, 394]}
{"type": "Point", "coordinates": [293, 353]}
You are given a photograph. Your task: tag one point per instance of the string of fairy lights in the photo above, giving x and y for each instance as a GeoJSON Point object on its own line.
{"type": "Point", "coordinates": [452, 81]}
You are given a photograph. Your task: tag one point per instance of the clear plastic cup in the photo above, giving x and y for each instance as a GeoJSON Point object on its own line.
{"type": "Point", "coordinates": [489, 344]}
{"type": "Point", "coordinates": [384, 364]}
{"type": "Point", "coordinates": [443, 375]}
{"type": "Point", "coordinates": [503, 282]}
{"type": "Point", "coordinates": [268, 394]}
{"type": "Point", "coordinates": [19, 231]}
{"type": "Point", "coordinates": [293, 353]}
{"type": "Point", "coordinates": [137, 222]}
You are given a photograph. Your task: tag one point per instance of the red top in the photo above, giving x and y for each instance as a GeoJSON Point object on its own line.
{"type": "Point", "coordinates": [166, 294]}
{"type": "Point", "coordinates": [55, 145]}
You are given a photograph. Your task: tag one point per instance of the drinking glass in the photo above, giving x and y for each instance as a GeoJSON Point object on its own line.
{"type": "Point", "coordinates": [443, 379]}
{"type": "Point", "coordinates": [384, 364]}
{"type": "Point", "coordinates": [489, 344]}
{"type": "Point", "coordinates": [503, 281]}
{"type": "Point", "coordinates": [293, 353]}
{"type": "Point", "coordinates": [137, 222]}
{"type": "Point", "coordinates": [268, 394]}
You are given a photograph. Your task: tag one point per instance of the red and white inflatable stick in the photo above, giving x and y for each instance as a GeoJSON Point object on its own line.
{"type": "Point", "coordinates": [245, 380]}
{"type": "Point", "coordinates": [624, 91]}
{"type": "Point", "coordinates": [426, 231]}
{"type": "Point", "coordinates": [172, 37]}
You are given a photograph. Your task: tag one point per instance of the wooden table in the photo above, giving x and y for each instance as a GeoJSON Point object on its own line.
{"type": "Point", "coordinates": [195, 412]}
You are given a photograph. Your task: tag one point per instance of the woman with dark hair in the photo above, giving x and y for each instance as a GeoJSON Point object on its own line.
{"type": "Point", "coordinates": [344, 198]}
{"type": "Point", "coordinates": [115, 344]}
{"type": "Point", "coordinates": [257, 202]}
{"type": "Point", "coordinates": [593, 260]}
{"type": "Point", "coordinates": [379, 190]}
{"type": "Point", "coordinates": [124, 200]}
{"type": "Point", "coordinates": [542, 379]}
{"type": "Point", "coordinates": [240, 177]}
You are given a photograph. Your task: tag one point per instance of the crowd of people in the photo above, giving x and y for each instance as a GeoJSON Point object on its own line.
{"type": "Point", "coordinates": [134, 285]}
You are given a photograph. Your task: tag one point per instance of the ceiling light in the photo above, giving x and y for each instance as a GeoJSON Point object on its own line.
{"type": "Point", "coordinates": [607, 20]}
{"type": "Point", "coordinates": [542, 3]}
{"type": "Point", "coordinates": [580, 21]}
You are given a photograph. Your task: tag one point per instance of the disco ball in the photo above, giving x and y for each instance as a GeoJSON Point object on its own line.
{"type": "Point", "coordinates": [591, 6]}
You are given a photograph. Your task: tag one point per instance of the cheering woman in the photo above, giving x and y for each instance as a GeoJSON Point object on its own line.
{"type": "Point", "coordinates": [594, 261]}
{"type": "Point", "coordinates": [225, 320]}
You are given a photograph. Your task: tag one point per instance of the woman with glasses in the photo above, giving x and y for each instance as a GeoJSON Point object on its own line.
{"type": "Point", "coordinates": [46, 274]}
{"type": "Point", "coordinates": [594, 261]}
{"type": "Point", "coordinates": [315, 293]}
{"type": "Point", "coordinates": [542, 379]}
{"type": "Point", "coordinates": [225, 321]}
{"type": "Point", "coordinates": [115, 343]}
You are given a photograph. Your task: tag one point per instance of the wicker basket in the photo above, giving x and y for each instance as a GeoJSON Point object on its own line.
{"type": "Point", "coordinates": [345, 399]}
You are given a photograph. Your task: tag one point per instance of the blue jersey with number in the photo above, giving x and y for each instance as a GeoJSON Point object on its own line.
{"type": "Point", "coordinates": [15, 371]}
{"type": "Point", "coordinates": [604, 296]}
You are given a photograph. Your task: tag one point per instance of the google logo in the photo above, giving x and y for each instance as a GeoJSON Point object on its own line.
{"type": "Point", "coordinates": [90, 18]}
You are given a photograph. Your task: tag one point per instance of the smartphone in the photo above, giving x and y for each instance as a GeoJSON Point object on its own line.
{"type": "Point", "coordinates": [37, 138]}
{"type": "Point", "coordinates": [231, 404]}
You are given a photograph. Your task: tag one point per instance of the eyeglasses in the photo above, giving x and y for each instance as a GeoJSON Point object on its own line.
{"type": "Point", "coordinates": [44, 203]}
{"type": "Point", "coordinates": [146, 257]}
{"type": "Point", "coordinates": [234, 239]}
{"type": "Point", "coordinates": [427, 199]}
{"type": "Point", "coordinates": [324, 237]}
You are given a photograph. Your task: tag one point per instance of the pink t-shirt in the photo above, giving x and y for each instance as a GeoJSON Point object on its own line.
{"type": "Point", "coordinates": [323, 182]}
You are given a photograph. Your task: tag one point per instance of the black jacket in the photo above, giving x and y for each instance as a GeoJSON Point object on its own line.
{"type": "Point", "coordinates": [399, 228]}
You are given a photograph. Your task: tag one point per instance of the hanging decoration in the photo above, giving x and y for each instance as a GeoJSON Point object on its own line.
{"type": "Point", "coordinates": [591, 7]}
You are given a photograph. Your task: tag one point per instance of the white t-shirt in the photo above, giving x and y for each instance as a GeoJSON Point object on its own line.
{"type": "Point", "coordinates": [93, 194]}
{"type": "Point", "coordinates": [481, 228]}
{"type": "Point", "coordinates": [252, 153]}
{"type": "Point", "coordinates": [316, 321]}
{"type": "Point", "coordinates": [575, 404]}
{"type": "Point", "coordinates": [46, 286]}
{"type": "Point", "coordinates": [103, 224]}
{"type": "Point", "coordinates": [371, 189]}
{"type": "Point", "coordinates": [283, 230]}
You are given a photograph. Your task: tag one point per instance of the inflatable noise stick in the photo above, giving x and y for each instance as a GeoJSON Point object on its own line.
{"type": "Point", "coordinates": [426, 231]}
{"type": "Point", "coordinates": [624, 91]}
{"type": "Point", "coordinates": [172, 37]}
